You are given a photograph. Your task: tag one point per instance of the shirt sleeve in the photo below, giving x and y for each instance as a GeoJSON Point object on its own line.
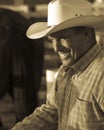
{"type": "Point", "coordinates": [101, 100]}
{"type": "Point", "coordinates": [99, 91]}
{"type": "Point", "coordinates": [43, 118]}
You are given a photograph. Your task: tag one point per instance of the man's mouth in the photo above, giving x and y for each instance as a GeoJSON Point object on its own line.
{"type": "Point", "coordinates": [63, 55]}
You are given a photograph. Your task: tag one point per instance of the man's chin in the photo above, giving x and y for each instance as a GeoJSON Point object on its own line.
{"type": "Point", "coordinates": [66, 63]}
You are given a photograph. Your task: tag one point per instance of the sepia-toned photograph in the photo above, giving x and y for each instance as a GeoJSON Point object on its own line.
{"type": "Point", "coordinates": [51, 64]}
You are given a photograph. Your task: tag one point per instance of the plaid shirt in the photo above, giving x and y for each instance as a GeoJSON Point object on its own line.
{"type": "Point", "coordinates": [76, 100]}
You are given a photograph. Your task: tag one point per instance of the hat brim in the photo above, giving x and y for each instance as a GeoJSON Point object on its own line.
{"type": "Point", "coordinates": [39, 30]}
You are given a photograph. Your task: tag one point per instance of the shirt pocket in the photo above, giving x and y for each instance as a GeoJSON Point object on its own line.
{"type": "Point", "coordinates": [86, 110]}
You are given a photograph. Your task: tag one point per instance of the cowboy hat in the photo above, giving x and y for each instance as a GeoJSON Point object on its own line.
{"type": "Point", "coordinates": [64, 14]}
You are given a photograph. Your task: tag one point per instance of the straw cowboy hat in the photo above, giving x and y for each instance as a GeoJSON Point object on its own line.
{"type": "Point", "coordinates": [64, 14]}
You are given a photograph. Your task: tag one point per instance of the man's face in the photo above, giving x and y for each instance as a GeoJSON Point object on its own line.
{"type": "Point", "coordinates": [69, 44]}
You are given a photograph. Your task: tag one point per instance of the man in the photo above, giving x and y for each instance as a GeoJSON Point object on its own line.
{"type": "Point", "coordinates": [76, 100]}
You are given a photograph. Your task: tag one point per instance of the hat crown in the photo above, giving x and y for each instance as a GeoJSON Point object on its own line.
{"type": "Point", "coordinates": [62, 10]}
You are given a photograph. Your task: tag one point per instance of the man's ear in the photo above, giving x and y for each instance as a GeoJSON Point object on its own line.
{"type": "Point", "coordinates": [90, 35]}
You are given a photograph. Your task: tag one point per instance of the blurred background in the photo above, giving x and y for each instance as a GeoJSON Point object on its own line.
{"type": "Point", "coordinates": [36, 11]}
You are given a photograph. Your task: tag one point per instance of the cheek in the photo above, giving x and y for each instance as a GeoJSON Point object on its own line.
{"type": "Point", "coordinates": [74, 52]}
{"type": "Point", "coordinates": [66, 43]}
